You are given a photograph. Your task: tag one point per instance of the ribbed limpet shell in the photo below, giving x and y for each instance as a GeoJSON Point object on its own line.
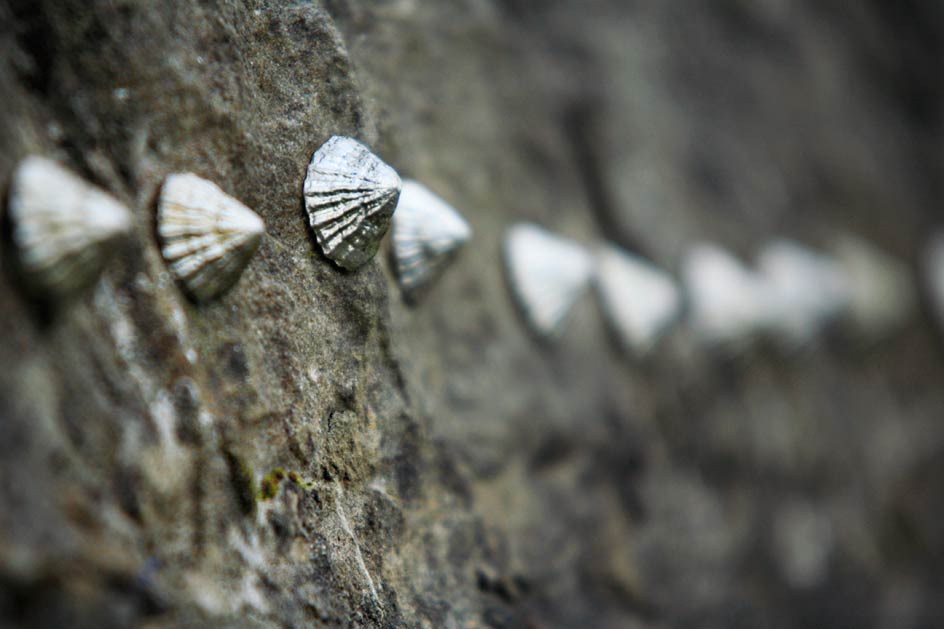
{"type": "Point", "coordinates": [426, 232]}
{"type": "Point", "coordinates": [350, 195]}
{"type": "Point", "coordinates": [207, 236]}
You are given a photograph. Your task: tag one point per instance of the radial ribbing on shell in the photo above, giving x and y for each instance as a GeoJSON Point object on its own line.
{"type": "Point", "coordinates": [426, 231]}
{"type": "Point", "coordinates": [207, 236]}
{"type": "Point", "coordinates": [350, 196]}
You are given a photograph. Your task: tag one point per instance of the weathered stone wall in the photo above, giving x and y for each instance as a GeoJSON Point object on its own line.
{"type": "Point", "coordinates": [441, 467]}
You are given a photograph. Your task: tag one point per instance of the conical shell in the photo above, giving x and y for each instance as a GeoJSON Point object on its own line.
{"type": "Point", "coordinates": [547, 274]}
{"type": "Point", "coordinates": [640, 300]}
{"type": "Point", "coordinates": [882, 294]}
{"type": "Point", "coordinates": [426, 232]}
{"type": "Point", "coordinates": [64, 228]}
{"type": "Point", "coordinates": [350, 195]}
{"type": "Point", "coordinates": [207, 236]}
{"type": "Point", "coordinates": [808, 290]}
{"type": "Point", "coordinates": [728, 303]}
{"type": "Point", "coordinates": [934, 270]}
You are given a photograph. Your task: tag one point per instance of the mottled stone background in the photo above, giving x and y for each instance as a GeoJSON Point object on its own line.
{"type": "Point", "coordinates": [442, 468]}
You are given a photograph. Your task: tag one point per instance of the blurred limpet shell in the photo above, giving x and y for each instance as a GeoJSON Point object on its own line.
{"type": "Point", "coordinates": [728, 303]}
{"type": "Point", "coordinates": [808, 290]}
{"type": "Point", "coordinates": [350, 195]}
{"type": "Point", "coordinates": [207, 237]}
{"type": "Point", "coordinates": [547, 274]}
{"type": "Point", "coordinates": [640, 300]}
{"type": "Point", "coordinates": [934, 270]}
{"type": "Point", "coordinates": [882, 295]}
{"type": "Point", "coordinates": [426, 232]}
{"type": "Point", "coordinates": [64, 228]}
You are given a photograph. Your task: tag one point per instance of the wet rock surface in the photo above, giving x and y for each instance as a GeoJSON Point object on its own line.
{"type": "Point", "coordinates": [310, 450]}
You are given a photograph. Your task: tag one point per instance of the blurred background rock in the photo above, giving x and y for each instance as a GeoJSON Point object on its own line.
{"type": "Point", "coordinates": [436, 466]}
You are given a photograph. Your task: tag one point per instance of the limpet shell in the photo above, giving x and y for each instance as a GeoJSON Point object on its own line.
{"type": "Point", "coordinates": [728, 303]}
{"type": "Point", "coordinates": [882, 295]}
{"type": "Point", "coordinates": [809, 290]}
{"type": "Point", "coordinates": [426, 232]}
{"type": "Point", "coordinates": [64, 228]}
{"type": "Point", "coordinates": [350, 195]}
{"type": "Point", "coordinates": [207, 236]}
{"type": "Point", "coordinates": [639, 300]}
{"type": "Point", "coordinates": [547, 274]}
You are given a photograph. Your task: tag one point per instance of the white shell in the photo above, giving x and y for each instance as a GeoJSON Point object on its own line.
{"type": "Point", "coordinates": [728, 303]}
{"type": "Point", "coordinates": [207, 236]}
{"type": "Point", "coordinates": [350, 195]}
{"type": "Point", "coordinates": [640, 300]}
{"type": "Point", "coordinates": [882, 294]}
{"type": "Point", "coordinates": [426, 231]}
{"type": "Point", "coordinates": [64, 228]}
{"type": "Point", "coordinates": [934, 269]}
{"type": "Point", "coordinates": [808, 290]}
{"type": "Point", "coordinates": [547, 274]}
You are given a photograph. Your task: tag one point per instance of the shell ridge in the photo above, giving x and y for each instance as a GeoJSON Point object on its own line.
{"type": "Point", "coordinates": [329, 181]}
{"type": "Point", "coordinates": [347, 192]}
{"type": "Point", "coordinates": [208, 236]}
{"type": "Point", "coordinates": [427, 231]}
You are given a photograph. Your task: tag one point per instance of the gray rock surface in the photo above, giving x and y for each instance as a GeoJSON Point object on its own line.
{"type": "Point", "coordinates": [311, 451]}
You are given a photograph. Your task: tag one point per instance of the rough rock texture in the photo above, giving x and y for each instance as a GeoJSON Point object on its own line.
{"type": "Point", "coordinates": [311, 451]}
